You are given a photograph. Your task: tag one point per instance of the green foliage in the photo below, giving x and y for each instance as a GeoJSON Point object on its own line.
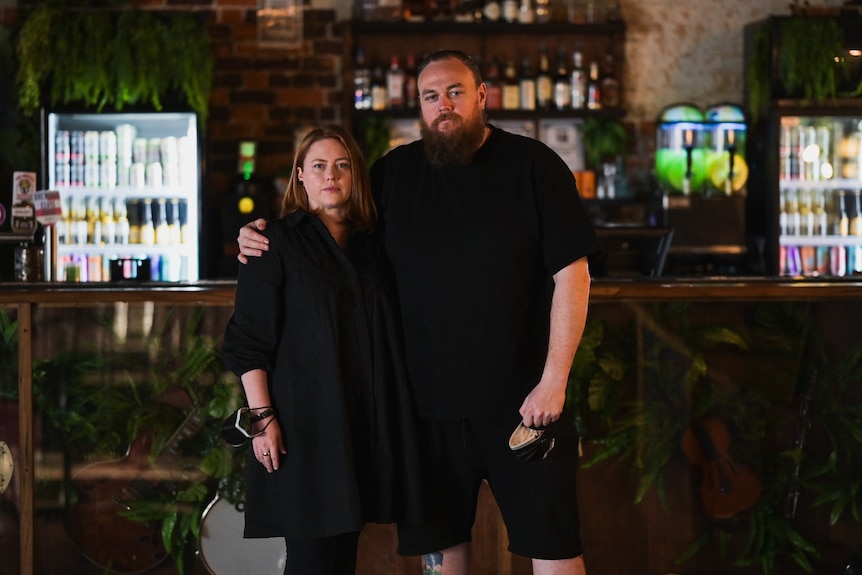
{"type": "Point", "coordinates": [674, 367]}
{"type": "Point", "coordinates": [604, 140]}
{"type": "Point", "coordinates": [8, 356]}
{"type": "Point", "coordinates": [372, 133]}
{"type": "Point", "coordinates": [97, 59]}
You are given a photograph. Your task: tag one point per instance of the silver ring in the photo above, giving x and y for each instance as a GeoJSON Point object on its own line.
{"type": "Point", "coordinates": [265, 454]}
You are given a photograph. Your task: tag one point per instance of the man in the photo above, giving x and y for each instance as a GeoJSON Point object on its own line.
{"type": "Point", "coordinates": [489, 243]}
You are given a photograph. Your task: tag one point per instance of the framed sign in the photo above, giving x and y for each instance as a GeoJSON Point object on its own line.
{"type": "Point", "coordinates": [279, 23]}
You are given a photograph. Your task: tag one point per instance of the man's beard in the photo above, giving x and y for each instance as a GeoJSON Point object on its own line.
{"type": "Point", "coordinates": [456, 147]}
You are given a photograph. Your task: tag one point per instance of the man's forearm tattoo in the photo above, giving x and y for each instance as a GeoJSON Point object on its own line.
{"type": "Point", "coordinates": [432, 563]}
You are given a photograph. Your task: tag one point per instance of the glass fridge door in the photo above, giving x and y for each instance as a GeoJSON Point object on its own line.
{"type": "Point", "coordinates": [130, 190]}
{"type": "Point", "coordinates": [820, 180]}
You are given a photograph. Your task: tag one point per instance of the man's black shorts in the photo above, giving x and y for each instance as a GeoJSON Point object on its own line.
{"type": "Point", "coordinates": [537, 499]}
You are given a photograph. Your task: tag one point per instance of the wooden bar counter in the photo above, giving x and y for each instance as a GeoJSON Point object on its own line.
{"type": "Point", "coordinates": [648, 536]}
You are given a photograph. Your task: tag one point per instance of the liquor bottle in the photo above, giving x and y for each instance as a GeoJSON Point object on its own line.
{"type": "Point", "coordinates": [543, 11]}
{"type": "Point", "coordinates": [610, 90]}
{"type": "Point", "coordinates": [527, 86]}
{"type": "Point", "coordinates": [578, 80]}
{"type": "Point", "coordinates": [361, 82]}
{"type": "Point", "coordinates": [594, 90]}
{"type": "Point", "coordinates": [526, 14]}
{"type": "Point", "coordinates": [162, 232]}
{"type": "Point", "coordinates": [510, 11]}
{"type": "Point", "coordinates": [148, 230]}
{"type": "Point", "coordinates": [855, 227]}
{"type": "Point", "coordinates": [134, 213]}
{"type": "Point", "coordinates": [109, 223]}
{"type": "Point", "coordinates": [511, 90]}
{"type": "Point", "coordinates": [411, 89]}
{"type": "Point", "coordinates": [494, 100]}
{"type": "Point", "coordinates": [174, 225]}
{"type": "Point", "coordinates": [121, 215]}
{"type": "Point", "coordinates": [544, 82]}
{"type": "Point", "coordinates": [492, 11]}
{"type": "Point", "coordinates": [562, 88]}
{"type": "Point", "coordinates": [378, 87]}
{"type": "Point", "coordinates": [843, 228]}
{"type": "Point", "coordinates": [395, 85]}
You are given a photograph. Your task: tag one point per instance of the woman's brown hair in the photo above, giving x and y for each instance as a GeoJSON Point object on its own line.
{"type": "Point", "coordinates": [361, 211]}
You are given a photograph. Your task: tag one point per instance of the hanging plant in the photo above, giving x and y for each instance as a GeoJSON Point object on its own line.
{"type": "Point", "coordinates": [98, 59]}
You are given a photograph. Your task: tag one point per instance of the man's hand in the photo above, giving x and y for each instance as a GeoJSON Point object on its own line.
{"type": "Point", "coordinates": [543, 405]}
{"type": "Point", "coordinates": [251, 242]}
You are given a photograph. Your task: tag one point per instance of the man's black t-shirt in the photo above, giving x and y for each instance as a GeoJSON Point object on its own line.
{"type": "Point", "coordinates": [474, 249]}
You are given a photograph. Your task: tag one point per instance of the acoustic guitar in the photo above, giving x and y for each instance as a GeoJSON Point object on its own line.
{"type": "Point", "coordinates": [104, 489]}
{"type": "Point", "coordinates": [727, 488]}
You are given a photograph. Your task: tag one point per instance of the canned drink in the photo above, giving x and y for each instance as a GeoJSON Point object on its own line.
{"type": "Point", "coordinates": [822, 260]}
{"type": "Point", "coordinates": [108, 175]}
{"type": "Point", "coordinates": [785, 152]}
{"type": "Point", "coordinates": [137, 175]}
{"type": "Point", "coordinates": [826, 166]}
{"type": "Point", "coordinates": [62, 175]}
{"type": "Point", "coordinates": [108, 145]}
{"type": "Point", "coordinates": [169, 151]}
{"type": "Point", "coordinates": [62, 147]}
{"type": "Point", "coordinates": [94, 268]}
{"type": "Point", "coordinates": [154, 175]}
{"type": "Point", "coordinates": [837, 261]}
{"type": "Point", "coordinates": [139, 151]}
{"type": "Point", "coordinates": [126, 134]}
{"type": "Point", "coordinates": [171, 175]}
{"type": "Point", "coordinates": [91, 146]}
{"type": "Point", "coordinates": [76, 147]}
{"type": "Point", "coordinates": [794, 261]}
{"type": "Point", "coordinates": [154, 150]}
{"type": "Point", "coordinates": [91, 174]}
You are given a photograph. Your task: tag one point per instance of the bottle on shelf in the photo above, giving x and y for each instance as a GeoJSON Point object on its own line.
{"type": "Point", "coordinates": [361, 82]}
{"type": "Point", "coordinates": [793, 219]}
{"type": "Point", "coordinates": [94, 223]}
{"type": "Point", "coordinates": [527, 86]}
{"type": "Point", "coordinates": [544, 82]}
{"type": "Point", "coordinates": [122, 226]}
{"type": "Point", "coordinates": [561, 87]}
{"type": "Point", "coordinates": [492, 11]}
{"type": "Point", "coordinates": [378, 87]}
{"type": "Point", "coordinates": [510, 11]}
{"type": "Point", "coordinates": [174, 226]}
{"type": "Point", "coordinates": [821, 218]}
{"type": "Point", "coordinates": [161, 229]}
{"type": "Point", "coordinates": [395, 84]}
{"type": "Point", "coordinates": [411, 89]}
{"type": "Point", "coordinates": [148, 230]}
{"type": "Point", "coordinates": [855, 226]}
{"type": "Point", "coordinates": [843, 221]}
{"type": "Point", "coordinates": [494, 100]}
{"type": "Point", "coordinates": [109, 222]}
{"type": "Point", "coordinates": [578, 80]}
{"type": "Point", "coordinates": [511, 89]}
{"type": "Point", "coordinates": [610, 87]}
{"type": "Point", "coordinates": [543, 11]}
{"type": "Point", "coordinates": [594, 90]}
{"type": "Point", "coordinates": [526, 14]}
{"type": "Point", "coordinates": [134, 213]}
{"type": "Point", "coordinates": [806, 214]}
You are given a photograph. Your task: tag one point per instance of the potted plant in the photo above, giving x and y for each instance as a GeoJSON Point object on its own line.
{"type": "Point", "coordinates": [605, 142]}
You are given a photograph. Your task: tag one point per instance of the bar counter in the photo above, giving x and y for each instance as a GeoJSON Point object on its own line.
{"type": "Point", "coordinates": [59, 319]}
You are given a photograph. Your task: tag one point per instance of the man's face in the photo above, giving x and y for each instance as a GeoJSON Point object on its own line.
{"type": "Point", "coordinates": [452, 106]}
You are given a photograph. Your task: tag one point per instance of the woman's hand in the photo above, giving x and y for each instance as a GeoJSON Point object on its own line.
{"type": "Point", "coordinates": [251, 242]}
{"type": "Point", "coordinates": [268, 446]}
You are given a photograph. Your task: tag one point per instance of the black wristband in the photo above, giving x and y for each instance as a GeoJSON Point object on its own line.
{"type": "Point", "coordinates": [261, 416]}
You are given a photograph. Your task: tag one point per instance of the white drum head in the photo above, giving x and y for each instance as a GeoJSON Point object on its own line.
{"type": "Point", "coordinates": [224, 551]}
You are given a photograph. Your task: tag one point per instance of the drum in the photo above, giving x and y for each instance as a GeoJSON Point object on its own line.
{"type": "Point", "coordinates": [224, 551]}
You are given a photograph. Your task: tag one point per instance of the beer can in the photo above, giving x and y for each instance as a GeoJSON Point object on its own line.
{"type": "Point", "coordinates": [76, 175]}
{"type": "Point", "coordinates": [108, 145]}
{"type": "Point", "coordinates": [170, 153]}
{"type": "Point", "coordinates": [139, 151]}
{"type": "Point", "coordinates": [154, 150]}
{"type": "Point", "coordinates": [91, 174]}
{"type": "Point", "coordinates": [62, 147]}
{"type": "Point", "coordinates": [154, 175]}
{"type": "Point", "coordinates": [76, 147]}
{"type": "Point", "coordinates": [62, 174]}
{"type": "Point", "coordinates": [126, 134]}
{"type": "Point", "coordinates": [137, 175]}
{"type": "Point", "coordinates": [838, 261]}
{"type": "Point", "coordinates": [108, 174]}
{"type": "Point", "coordinates": [91, 146]}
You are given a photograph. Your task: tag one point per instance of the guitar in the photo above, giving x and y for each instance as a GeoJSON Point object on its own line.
{"type": "Point", "coordinates": [223, 549]}
{"type": "Point", "coordinates": [104, 489]}
{"type": "Point", "coordinates": [727, 488]}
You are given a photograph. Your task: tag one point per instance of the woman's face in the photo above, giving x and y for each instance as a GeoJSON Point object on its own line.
{"type": "Point", "coordinates": [326, 175]}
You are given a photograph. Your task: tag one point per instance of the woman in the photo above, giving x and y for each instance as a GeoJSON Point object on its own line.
{"type": "Point", "coordinates": [315, 340]}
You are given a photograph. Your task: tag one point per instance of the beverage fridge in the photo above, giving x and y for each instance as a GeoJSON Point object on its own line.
{"type": "Point", "coordinates": [809, 178]}
{"type": "Point", "coordinates": [130, 190]}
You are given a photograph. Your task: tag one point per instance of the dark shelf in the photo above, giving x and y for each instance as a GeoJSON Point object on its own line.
{"type": "Point", "coordinates": [403, 27]}
{"type": "Point", "coordinates": [500, 114]}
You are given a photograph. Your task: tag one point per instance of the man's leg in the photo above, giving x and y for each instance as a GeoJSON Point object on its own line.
{"type": "Point", "coordinates": [559, 567]}
{"type": "Point", "coordinates": [452, 561]}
